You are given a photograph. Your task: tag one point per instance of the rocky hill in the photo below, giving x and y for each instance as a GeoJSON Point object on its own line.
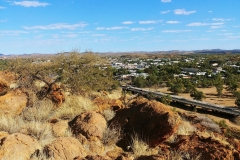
{"type": "Point", "coordinates": [99, 126]}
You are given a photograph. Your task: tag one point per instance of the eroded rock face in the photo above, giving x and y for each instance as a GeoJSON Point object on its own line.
{"type": "Point", "coordinates": [13, 102]}
{"type": "Point", "coordinates": [208, 148]}
{"type": "Point", "coordinates": [150, 119]}
{"type": "Point", "coordinates": [59, 128]}
{"type": "Point", "coordinates": [65, 148]}
{"type": "Point", "coordinates": [18, 146]}
{"type": "Point", "coordinates": [90, 124]}
{"type": "Point", "coordinates": [106, 103]}
{"type": "Point", "coordinates": [3, 88]}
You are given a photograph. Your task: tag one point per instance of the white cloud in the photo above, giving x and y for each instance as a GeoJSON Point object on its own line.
{"type": "Point", "coordinates": [172, 22]}
{"type": "Point", "coordinates": [165, 12]}
{"type": "Point", "coordinates": [98, 35]}
{"type": "Point", "coordinates": [1, 7]}
{"type": "Point", "coordinates": [210, 11]}
{"type": "Point", "coordinates": [165, 1]}
{"type": "Point", "coordinates": [142, 29]}
{"type": "Point", "coordinates": [215, 27]}
{"type": "Point", "coordinates": [183, 11]}
{"type": "Point", "coordinates": [58, 26]}
{"type": "Point", "coordinates": [221, 19]}
{"type": "Point", "coordinates": [127, 22]}
{"type": "Point", "coordinates": [12, 32]}
{"type": "Point", "coordinates": [111, 28]}
{"type": "Point", "coordinates": [225, 34]}
{"type": "Point", "coordinates": [3, 20]}
{"type": "Point", "coordinates": [198, 24]}
{"type": "Point", "coordinates": [70, 35]}
{"type": "Point", "coordinates": [175, 31]}
{"type": "Point", "coordinates": [31, 4]}
{"type": "Point", "coordinates": [149, 22]}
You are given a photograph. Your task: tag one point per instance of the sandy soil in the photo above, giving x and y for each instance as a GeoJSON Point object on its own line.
{"type": "Point", "coordinates": [211, 96]}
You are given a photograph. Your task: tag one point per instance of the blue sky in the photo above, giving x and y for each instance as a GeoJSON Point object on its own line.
{"type": "Point", "coordinates": [52, 26]}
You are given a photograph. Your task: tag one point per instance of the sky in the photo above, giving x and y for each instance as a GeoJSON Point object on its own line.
{"type": "Point", "coordinates": [53, 26]}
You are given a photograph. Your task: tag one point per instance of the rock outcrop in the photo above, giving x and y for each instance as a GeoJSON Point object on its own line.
{"type": "Point", "coordinates": [65, 148]}
{"type": "Point", "coordinates": [13, 102]}
{"type": "Point", "coordinates": [18, 146]}
{"type": "Point", "coordinates": [150, 119]}
{"type": "Point", "coordinates": [208, 148]}
{"type": "Point", "coordinates": [106, 103]}
{"type": "Point", "coordinates": [90, 124]}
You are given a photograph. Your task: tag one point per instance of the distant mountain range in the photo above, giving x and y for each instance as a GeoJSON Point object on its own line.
{"type": "Point", "coordinates": [204, 51]}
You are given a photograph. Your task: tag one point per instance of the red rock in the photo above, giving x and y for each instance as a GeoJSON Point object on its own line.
{"type": "Point", "coordinates": [65, 148]}
{"type": "Point", "coordinates": [13, 102]}
{"type": "Point", "coordinates": [90, 124]}
{"type": "Point", "coordinates": [150, 119]}
{"type": "Point", "coordinates": [18, 146]}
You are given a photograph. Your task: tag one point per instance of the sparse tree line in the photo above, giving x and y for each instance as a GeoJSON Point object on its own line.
{"type": "Point", "coordinates": [78, 72]}
{"type": "Point", "coordinates": [164, 74]}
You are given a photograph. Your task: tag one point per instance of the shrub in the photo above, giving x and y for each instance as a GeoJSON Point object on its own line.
{"type": "Point", "coordinates": [11, 124]}
{"type": "Point", "coordinates": [41, 111]}
{"type": "Point", "coordinates": [139, 147]}
{"type": "Point", "coordinates": [108, 114]}
{"type": "Point", "coordinates": [73, 106]}
{"type": "Point", "coordinates": [208, 123]}
{"type": "Point", "coordinates": [41, 132]}
{"type": "Point", "coordinates": [222, 124]}
{"type": "Point", "coordinates": [111, 135]}
{"type": "Point", "coordinates": [180, 155]}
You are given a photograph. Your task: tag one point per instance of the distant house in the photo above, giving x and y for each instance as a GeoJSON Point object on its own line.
{"type": "Point", "coordinates": [190, 70]}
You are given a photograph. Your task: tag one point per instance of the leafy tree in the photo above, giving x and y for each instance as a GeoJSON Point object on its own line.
{"type": "Point", "coordinates": [189, 86]}
{"type": "Point", "coordinates": [197, 95]}
{"type": "Point", "coordinates": [219, 84]}
{"type": "Point", "coordinates": [166, 99]}
{"type": "Point", "coordinates": [237, 101]}
{"type": "Point", "coordinates": [176, 86]}
{"type": "Point", "coordinates": [78, 71]}
{"type": "Point", "coordinates": [139, 82]}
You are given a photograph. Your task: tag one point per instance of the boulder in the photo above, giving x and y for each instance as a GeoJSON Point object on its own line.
{"type": "Point", "coordinates": [59, 128]}
{"type": "Point", "coordinates": [13, 102]}
{"type": "Point", "coordinates": [106, 103]}
{"type": "Point", "coordinates": [3, 88]}
{"type": "Point", "coordinates": [90, 124]}
{"type": "Point", "coordinates": [151, 119]}
{"type": "Point", "coordinates": [18, 146]}
{"type": "Point", "coordinates": [65, 148]}
{"type": "Point", "coordinates": [3, 134]}
{"type": "Point", "coordinates": [208, 148]}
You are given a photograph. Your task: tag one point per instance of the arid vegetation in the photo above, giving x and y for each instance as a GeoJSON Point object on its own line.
{"type": "Point", "coordinates": [69, 106]}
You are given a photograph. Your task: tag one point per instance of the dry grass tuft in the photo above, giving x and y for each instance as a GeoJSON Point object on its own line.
{"type": "Point", "coordinates": [41, 111]}
{"type": "Point", "coordinates": [108, 114]}
{"type": "Point", "coordinates": [111, 135]}
{"type": "Point", "coordinates": [208, 123]}
{"type": "Point", "coordinates": [73, 106]}
{"type": "Point", "coordinates": [41, 132]}
{"type": "Point", "coordinates": [139, 147]}
{"type": "Point", "coordinates": [11, 124]}
{"type": "Point", "coordinates": [180, 155]}
{"type": "Point", "coordinates": [185, 128]}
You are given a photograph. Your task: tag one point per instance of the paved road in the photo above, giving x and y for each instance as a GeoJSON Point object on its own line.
{"type": "Point", "coordinates": [206, 105]}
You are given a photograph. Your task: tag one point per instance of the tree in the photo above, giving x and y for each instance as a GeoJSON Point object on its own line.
{"type": "Point", "coordinates": [77, 71]}
{"type": "Point", "coordinates": [166, 99]}
{"type": "Point", "coordinates": [218, 83]}
{"type": "Point", "coordinates": [139, 82]}
{"type": "Point", "coordinates": [197, 95]}
{"type": "Point", "coordinates": [237, 101]}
